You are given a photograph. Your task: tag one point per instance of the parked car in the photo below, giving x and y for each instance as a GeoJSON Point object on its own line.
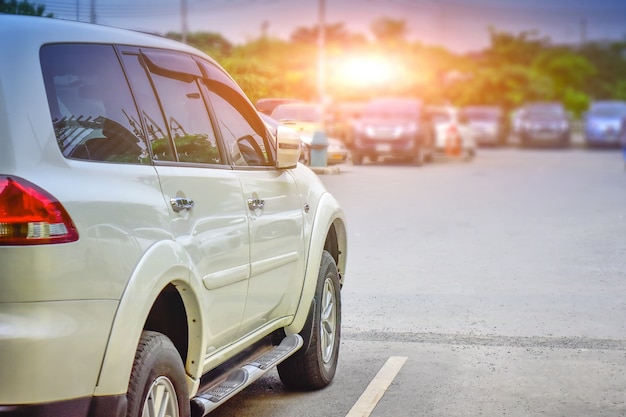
{"type": "Point", "coordinates": [487, 123]}
{"type": "Point", "coordinates": [392, 127]}
{"type": "Point", "coordinates": [454, 137]}
{"type": "Point", "coordinates": [545, 124]}
{"type": "Point", "coordinates": [306, 119]}
{"type": "Point", "coordinates": [159, 249]}
{"type": "Point", "coordinates": [605, 123]}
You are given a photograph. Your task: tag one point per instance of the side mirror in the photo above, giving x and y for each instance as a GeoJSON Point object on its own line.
{"type": "Point", "coordinates": [288, 147]}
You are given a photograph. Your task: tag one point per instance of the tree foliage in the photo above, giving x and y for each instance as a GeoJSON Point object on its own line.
{"type": "Point", "coordinates": [512, 70]}
{"type": "Point", "coordinates": [334, 34]}
{"type": "Point", "coordinates": [24, 8]}
{"type": "Point", "coordinates": [389, 31]}
{"type": "Point", "coordinates": [610, 64]}
{"type": "Point", "coordinates": [212, 43]}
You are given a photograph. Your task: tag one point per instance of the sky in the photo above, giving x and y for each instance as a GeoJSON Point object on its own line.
{"type": "Point", "coordinates": [458, 25]}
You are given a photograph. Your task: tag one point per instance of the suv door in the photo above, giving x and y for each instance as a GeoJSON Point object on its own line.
{"type": "Point", "coordinates": [274, 207]}
{"type": "Point", "coordinates": [208, 215]}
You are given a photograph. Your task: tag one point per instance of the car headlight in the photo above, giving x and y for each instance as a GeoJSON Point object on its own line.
{"type": "Point", "coordinates": [411, 128]}
{"type": "Point", "coordinates": [360, 128]}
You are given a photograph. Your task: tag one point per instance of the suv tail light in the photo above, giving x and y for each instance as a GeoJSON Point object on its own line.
{"type": "Point", "coordinates": [31, 216]}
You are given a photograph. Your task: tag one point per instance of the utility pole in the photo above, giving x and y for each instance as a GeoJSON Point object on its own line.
{"type": "Point", "coordinates": [92, 13]}
{"type": "Point", "coordinates": [321, 59]}
{"type": "Point", "coordinates": [583, 31]}
{"type": "Point", "coordinates": [183, 17]}
{"type": "Point", "coordinates": [319, 142]}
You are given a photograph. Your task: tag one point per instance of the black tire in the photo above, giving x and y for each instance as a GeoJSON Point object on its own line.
{"type": "Point", "coordinates": [158, 370]}
{"type": "Point", "coordinates": [314, 367]}
{"type": "Point", "coordinates": [418, 159]}
{"type": "Point", "coordinates": [305, 155]}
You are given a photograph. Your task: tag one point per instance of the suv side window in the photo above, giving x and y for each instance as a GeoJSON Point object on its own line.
{"type": "Point", "coordinates": [242, 130]}
{"type": "Point", "coordinates": [175, 79]}
{"type": "Point", "coordinates": [151, 114]}
{"type": "Point", "coordinates": [93, 113]}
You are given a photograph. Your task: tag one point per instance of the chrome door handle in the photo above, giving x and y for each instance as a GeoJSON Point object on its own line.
{"type": "Point", "coordinates": [181, 203]}
{"type": "Point", "coordinates": [255, 203]}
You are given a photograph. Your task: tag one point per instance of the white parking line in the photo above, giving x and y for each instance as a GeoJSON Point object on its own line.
{"type": "Point", "coordinates": [375, 390]}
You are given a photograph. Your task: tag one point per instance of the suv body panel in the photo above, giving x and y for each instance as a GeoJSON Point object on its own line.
{"type": "Point", "coordinates": [77, 310]}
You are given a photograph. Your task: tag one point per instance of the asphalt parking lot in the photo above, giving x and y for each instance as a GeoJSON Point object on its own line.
{"type": "Point", "coordinates": [495, 286]}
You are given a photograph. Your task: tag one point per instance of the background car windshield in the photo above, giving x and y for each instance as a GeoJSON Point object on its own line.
{"type": "Point", "coordinates": [301, 113]}
{"type": "Point", "coordinates": [608, 110]}
{"type": "Point", "coordinates": [440, 117]}
{"type": "Point", "coordinates": [392, 109]}
{"type": "Point", "coordinates": [545, 111]}
{"type": "Point", "coordinates": [481, 114]}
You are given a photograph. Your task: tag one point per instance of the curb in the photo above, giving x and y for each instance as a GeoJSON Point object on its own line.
{"type": "Point", "coordinates": [334, 170]}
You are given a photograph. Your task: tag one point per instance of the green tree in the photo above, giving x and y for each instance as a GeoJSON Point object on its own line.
{"type": "Point", "coordinates": [23, 7]}
{"type": "Point", "coordinates": [389, 31]}
{"type": "Point", "coordinates": [274, 68]}
{"type": "Point", "coordinates": [335, 34]}
{"type": "Point", "coordinates": [520, 49]}
{"type": "Point", "coordinates": [526, 67]}
{"type": "Point", "coordinates": [610, 62]}
{"type": "Point", "coordinates": [212, 43]}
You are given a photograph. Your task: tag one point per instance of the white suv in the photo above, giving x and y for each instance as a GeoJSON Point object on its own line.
{"type": "Point", "coordinates": [159, 248]}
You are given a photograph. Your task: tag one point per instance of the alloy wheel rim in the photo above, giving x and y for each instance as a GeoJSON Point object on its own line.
{"type": "Point", "coordinates": [328, 322]}
{"type": "Point", "coordinates": [161, 400]}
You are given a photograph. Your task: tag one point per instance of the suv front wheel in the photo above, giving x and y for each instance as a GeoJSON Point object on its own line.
{"type": "Point", "coordinates": [315, 367]}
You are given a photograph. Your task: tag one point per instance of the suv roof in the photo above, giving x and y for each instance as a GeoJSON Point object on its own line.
{"type": "Point", "coordinates": [29, 30]}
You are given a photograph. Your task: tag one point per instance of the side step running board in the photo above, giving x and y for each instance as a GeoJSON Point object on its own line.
{"type": "Point", "coordinates": [205, 402]}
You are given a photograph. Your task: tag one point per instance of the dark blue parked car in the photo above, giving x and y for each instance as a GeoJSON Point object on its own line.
{"type": "Point", "coordinates": [605, 123]}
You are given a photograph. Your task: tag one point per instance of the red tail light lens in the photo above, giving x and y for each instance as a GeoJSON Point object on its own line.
{"type": "Point", "coordinates": [31, 216]}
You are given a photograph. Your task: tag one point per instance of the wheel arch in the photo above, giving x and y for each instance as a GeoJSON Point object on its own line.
{"type": "Point", "coordinates": [161, 282]}
{"type": "Point", "coordinates": [329, 227]}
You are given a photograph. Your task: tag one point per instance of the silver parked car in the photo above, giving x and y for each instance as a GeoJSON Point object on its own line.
{"type": "Point", "coordinates": [545, 124]}
{"type": "Point", "coordinates": [487, 123]}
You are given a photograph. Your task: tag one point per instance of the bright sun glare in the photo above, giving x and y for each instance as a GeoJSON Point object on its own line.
{"type": "Point", "coordinates": [363, 71]}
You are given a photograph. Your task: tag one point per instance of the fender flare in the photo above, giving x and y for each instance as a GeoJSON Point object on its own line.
{"type": "Point", "coordinates": [328, 214]}
{"type": "Point", "coordinates": [163, 264]}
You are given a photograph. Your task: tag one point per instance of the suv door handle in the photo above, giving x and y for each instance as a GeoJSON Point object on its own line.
{"type": "Point", "coordinates": [181, 203]}
{"type": "Point", "coordinates": [255, 203]}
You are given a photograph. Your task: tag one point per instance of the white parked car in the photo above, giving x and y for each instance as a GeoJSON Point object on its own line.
{"type": "Point", "coordinates": [152, 231]}
{"type": "Point", "coordinates": [453, 136]}
{"type": "Point", "coordinates": [306, 119]}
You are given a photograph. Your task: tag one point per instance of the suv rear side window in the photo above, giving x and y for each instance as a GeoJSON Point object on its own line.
{"type": "Point", "coordinates": [93, 113]}
{"type": "Point", "coordinates": [187, 118]}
